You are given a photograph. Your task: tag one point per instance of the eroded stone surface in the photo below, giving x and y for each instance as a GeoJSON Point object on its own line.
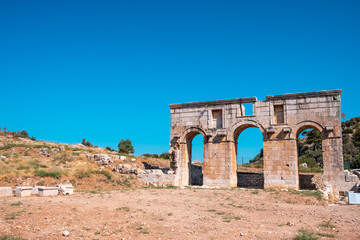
{"type": "Point", "coordinates": [6, 192]}
{"type": "Point", "coordinates": [280, 118]}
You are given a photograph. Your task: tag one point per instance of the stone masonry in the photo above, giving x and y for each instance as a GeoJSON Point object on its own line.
{"type": "Point", "coordinates": [280, 118]}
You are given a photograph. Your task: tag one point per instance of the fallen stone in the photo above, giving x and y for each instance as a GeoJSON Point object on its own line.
{"type": "Point", "coordinates": [6, 192]}
{"type": "Point", "coordinates": [48, 191]}
{"type": "Point", "coordinates": [35, 190]}
{"type": "Point", "coordinates": [103, 159]}
{"type": "Point", "coordinates": [353, 198]}
{"type": "Point", "coordinates": [128, 169]}
{"type": "Point", "coordinates": [65, 233]}
{"type": "Point", "coordinates": [66, 189]}
{"type": "Point", "coordinates": [303, 165]}
{"type": "Point", "coordinates": [23, 191]}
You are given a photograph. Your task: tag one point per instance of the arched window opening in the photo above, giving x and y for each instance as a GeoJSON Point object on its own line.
{"type": "Point", "coordinates": [310, 159]}
{"type": "Point", "coordinates": [249, 152]}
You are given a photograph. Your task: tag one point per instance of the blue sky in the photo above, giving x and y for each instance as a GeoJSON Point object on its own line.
{"type": "Point", "coordinates": [107, 70]}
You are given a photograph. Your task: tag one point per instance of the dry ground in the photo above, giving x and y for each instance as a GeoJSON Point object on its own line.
{"type": "Point", "coordinates": [190, 213]}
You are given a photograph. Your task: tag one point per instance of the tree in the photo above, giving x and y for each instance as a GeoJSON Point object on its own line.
{"type": "Point", "coordinates": [165, 155]}
{"type": "Point", "coordinates": [356, 137]}
{"type": "Point", "coordinates": [125, 146]}
{"type": "Point", "coordinates": [86, 143]}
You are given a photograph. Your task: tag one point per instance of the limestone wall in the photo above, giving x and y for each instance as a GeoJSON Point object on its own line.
{"type": "Point", "coordinates": [280, 118]}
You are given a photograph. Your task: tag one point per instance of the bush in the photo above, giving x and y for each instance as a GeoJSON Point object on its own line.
{"type": "Point", "coordinates": [348, 131]}
{"type": "Point", "coordinates": [305, 234]}
{"type": "Point", "coordinates": [107, 174]}
{"type": "Point", "coordinates": [81, 173]}
{"type": "Point", "coordinates": [64, 157]}
{"type": "Point", "coordinates": [110, 149]}
{"type": "Point", "coordinates": [165, 155]}
{"type": "Point", "coordinates": [86, 143]}
{"type": "Point", "coordinates": [53, 174]}
{"type": "Point", "coordinates": [125, 146]}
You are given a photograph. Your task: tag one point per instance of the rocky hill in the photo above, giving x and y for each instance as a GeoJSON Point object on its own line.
{"type": "Point", "coordinates": [27, 162]}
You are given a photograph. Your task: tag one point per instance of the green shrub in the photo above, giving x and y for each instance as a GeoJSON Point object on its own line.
{"type": "Point", "coordinates": [86, 143]}
{"type": "Point", "coordinates": [107, 174]}
{"type": "Point", "coordinates": [53, 174]}
{"type": "Point", "coordinates": [81, 173]}
{"type": "Point", "coordinates": [64, 157]}
{"type": "Point", "coordinates": [36, 165]}
{"type": "Point", "coordinates": [305, 234]}
{"type": "Point", "coordinates": [316, 194]}
{"type": "Point", "coordinates": [22, 167]}
{"type": "Point", "coordinates": [348, 131]}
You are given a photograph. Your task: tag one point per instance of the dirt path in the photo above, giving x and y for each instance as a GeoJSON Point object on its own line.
{"type": "Point", "coordinates": [176, 214]}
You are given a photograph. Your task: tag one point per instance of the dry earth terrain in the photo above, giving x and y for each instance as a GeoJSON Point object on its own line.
{"type": "Point", "coordinates": [110, 205]}
{"type": "Point", "coordinates": [174, 213]}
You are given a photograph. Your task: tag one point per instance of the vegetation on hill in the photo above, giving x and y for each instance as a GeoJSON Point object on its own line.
{"type": "Point", "coordinates": [17, 134]}
{"type": "Point", "coordinates": [125, 146]}
{"type": "Point", "coordinates": [164, 155]}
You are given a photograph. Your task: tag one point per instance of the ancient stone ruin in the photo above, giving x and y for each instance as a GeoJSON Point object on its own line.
{"type": "Point", "coordinates": [280, 119]}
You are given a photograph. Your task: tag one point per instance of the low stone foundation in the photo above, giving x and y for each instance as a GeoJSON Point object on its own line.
{"type": "Point", "coordinates": [196, 175]}
{"type": "Point", "coordinates": [250, 180]}
{"type": "Point", "coordinates": [161, 180]}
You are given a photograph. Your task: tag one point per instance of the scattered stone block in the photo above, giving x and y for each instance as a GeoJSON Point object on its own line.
{"type": "Point", "coordinates": [66, 189]}
{"type": "Point", "coordinates": [103, 159]}
{"type": "Point", "coordinates": [48, 191]}
{"type": "Point", "coordinates": [351, 178]}
{"type": "Point", "coordinates": [6, 192]}
{"type": "Point", "coordinates": [23, 191]}
{"type": "Point", "coordinates": [353, 198]}
{"type": "Point", "coordinates": [122, 158]}
{"type": "Point", "coordinates": [35, 190]}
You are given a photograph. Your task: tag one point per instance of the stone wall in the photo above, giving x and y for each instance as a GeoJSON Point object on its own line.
{"type": "Point", "coordinates": [280, 118]}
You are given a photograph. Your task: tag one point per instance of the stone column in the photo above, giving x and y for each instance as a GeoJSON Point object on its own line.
{"type": "Point", "coordinates": [183, 170]}
{"type": "Point", "coordinates": [333, 164]}
{"type": "Point", "coordinates": [280, 164]}
{"type": "Point", "coordinates": [219, 167]}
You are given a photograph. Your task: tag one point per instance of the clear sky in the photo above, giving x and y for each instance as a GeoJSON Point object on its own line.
{"type": "Point", "coordinates": [107, 70]}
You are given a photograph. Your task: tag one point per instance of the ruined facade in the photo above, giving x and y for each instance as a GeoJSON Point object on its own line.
{"type": "Point", "coordinates": [280, 119]}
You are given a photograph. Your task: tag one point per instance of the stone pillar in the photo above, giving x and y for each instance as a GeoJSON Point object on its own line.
{"type": "Point", "coordinates": [333, 164]}
{"type": "Point", "coordinates": [183, 163]}
{"type": "Point", "coordinates": [219, 167]}
{"type": "Point", "coordinates": [280, 164]}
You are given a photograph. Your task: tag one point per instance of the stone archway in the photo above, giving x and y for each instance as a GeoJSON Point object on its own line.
{"type": "Point", "coordinates": [246, 178]}
{"type": "Point", "coordinates": [279, 118]}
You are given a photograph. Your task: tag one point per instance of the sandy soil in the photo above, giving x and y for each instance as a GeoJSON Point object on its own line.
{"type": "Point", "coordinates": [176, 214]}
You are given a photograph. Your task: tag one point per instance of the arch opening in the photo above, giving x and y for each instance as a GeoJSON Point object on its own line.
{"type": "Point", "coordinates": [195, 146]}
{"type": "Point", "coordinates": [249, 156]}
{"type": "Point", "coordinates": [310, 157]}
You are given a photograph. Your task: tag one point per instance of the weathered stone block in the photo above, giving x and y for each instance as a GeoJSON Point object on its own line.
{"type": "Point", "coordinates": [35, 190]}
{"type": "Point", "coordinates": [48, 191]}
{"type": "Point", "coordinates": [6, 192]}
{"type": "Point", "coordinates": [23, 191]}
{"type": "Point", "coordinates": [66, 189]}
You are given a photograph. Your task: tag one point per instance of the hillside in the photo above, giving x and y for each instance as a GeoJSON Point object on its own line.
{"type": "Point", "coordinates": [27, 162]}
